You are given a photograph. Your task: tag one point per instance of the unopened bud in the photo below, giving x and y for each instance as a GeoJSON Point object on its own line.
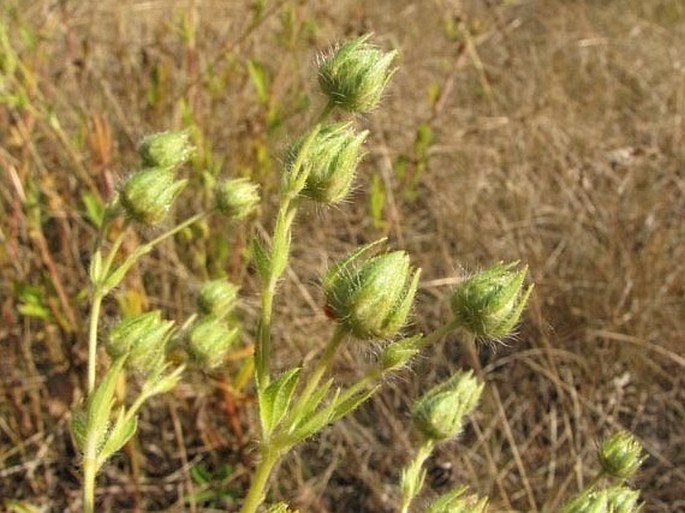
{"type": "Point", "coordinates": [166, 149]}
{"type": "Point", "coordinates": [148, 195]}
{"type": "Point", "coordinates": [617, 499]}
{"type": "Point", "coordinates": [237, 198]}
{"type": "Point", "coordinates": [458, 501]}
{"type": "Point", "coordinates": [371, 299]}
{"type": "Point", "coordinates": [143, 338]}
{"type": "Point", "coordinates": [440, 412]}
{"type": "Point", "coordinates": [330, 161]}
{"type": "Point", "coordinates": [620, 455]}
{"type": "Point", "coordinates": [217, 297]}
{"type": "Point", "coordinates": [489, 304]}
{"type": "Point", "coordinates": [398, 354]}
{"type": "Point", "coordinates": [209, 341]}
{"type": "Point", "coordinates": [355, 75]}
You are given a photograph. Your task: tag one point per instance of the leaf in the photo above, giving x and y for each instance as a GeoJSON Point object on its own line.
{"type": "Point", "coordinates": [95, 268]}
{"type": "Point", "coordinates": [262, 259]}
{"type": "Point", "coordinates": [161, 384]}
{"type": "Point", "coordinates": [121, 433]}
{"type": "Point", "coordinates": [100, 402]}
{"type": "Point", "coordinates": [118, 274]}
{"type": "Point", "coordinates": [260, 79]}
{"type": "Point", "coordinates": [274, 401]}
{"type": "Point", "coordinates": [79, 424]}
{"type": "Point", "coordinates": [95, 208]}
{"type": "Point", "coordinates": [347, 406]}
{"type": "Point", "coordinates": [315, 421]}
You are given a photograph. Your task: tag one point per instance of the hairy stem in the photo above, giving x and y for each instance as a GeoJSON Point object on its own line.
{"type": "Point", "coordinates": [93, 337]}
{"type": "Point", "coordinates": [412, 476]}
{"type": "Point", "coordinates": [263, 340]}
{"type": "Point", "coordinates": [255, 495]}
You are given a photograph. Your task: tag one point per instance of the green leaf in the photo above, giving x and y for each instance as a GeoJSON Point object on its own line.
{"type": "Point", "coordinates": [95, 268]}
{"type": "Point", "coordinates": [260, 79]}
{"type": "Point", "coordinates": [79, 426]}
{"type": "Point", "coordinates": [118, 274]}
{"type": "Point", "coordinates": [95, 208]}
{"type": "Point", "coordinates": [20, 507]}
{"type": "Point", "coordinates": [347, 406]}
{"type": "Point", "coordinates": [32, 301]}
{"type": "Point", "coordinates": [121, 433]}
{"type": "Point", "coordinates": [262, 259]}
{"type": "Point", "coordinates": [163, 384]}
{"type": "Point", "coordinates": [100, 403]}
{"type": "Point", "coordinates": [312, 420]}
{"type": "Point", "coordinates": [274, 402]}
{"type": "Point", "coordinates": [281, 243]}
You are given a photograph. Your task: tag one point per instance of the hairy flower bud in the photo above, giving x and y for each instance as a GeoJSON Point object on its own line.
{"type": "Point", "coordinates": [209, 340]}
{"type": "Point", "coordinates": [217, 297]}
{"type": "Point", "coordinates": [355, 75]}
{"type": "Point", "coordinates": [237, 198]}
{"type": "Point", "coordinates": [166, 149]}
{"type": "Point", "coordinates": [330, 161]}
{"type": "Point", "coordinates": [620, 455]}
{"type": "Point", "coordinates": [371, 299]}
{"type": "Point", "coordinates": [489, 304]}
{"type": "Point", "coordinates": [143, 338]}
{"type": "Point", "coordinates": [148, 195]}
{"type": "Point", "coordinates": [440, 412]}
{"type": "Point", "coordinates": [617, 499]}
{"type": "Point", "coordinates": [457, 501]}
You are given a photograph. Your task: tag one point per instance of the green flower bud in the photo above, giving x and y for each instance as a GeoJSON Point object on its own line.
{"type": "Point", "coordinates": [398, 354]}
{"type": "Point", "coordinates": [355, 75]}
{"type": "Point", "coordinates": [143, 338]}
{"type": "Point", "coordinates": [440, 412]}
{"type": "Point", "coordinates": [457, 501]}
{"type": "Point", "coordinates": [617, 499]}
{"type": "Point", "coordinates": [209, 340]}
{"type": "Point", "coordinates": [371, 299]}
{"type": "Point", "coordinates": [166, 149]}
{"type": "Point", "coordinates": [148, 195]}
{"type": "Point", "coordinates": [217, 297]}
{"type": "Point", "coordinates": [330, 161]}
{"type": "Point", "coordinates": [237, 198]}
{"type": "Point", "coordinates": [489, 304]}
{"type": "Point", "coordinates": [620, 455]}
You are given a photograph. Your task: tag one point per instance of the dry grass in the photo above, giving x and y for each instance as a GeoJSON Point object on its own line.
{"type": "Point", "coordinates": [558, 139]}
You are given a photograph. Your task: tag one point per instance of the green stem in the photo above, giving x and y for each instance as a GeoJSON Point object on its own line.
{"type": "Point", "coordinates": [175, 230]}
{"type": "Point", "coordinates": [93, 337]}
{"type": "Point", "coordinates": [263, 339]}
{"type": "Point", "coordinates": [316, 375]}
{"type": "Point", "coordinates": [255, 495]}
{"type": "Point", "coordinates": [89, 473]}
{"type": "Point", "coordinates": [438, 334]}
{"type": "Point", "coordinates": [412, 477]}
